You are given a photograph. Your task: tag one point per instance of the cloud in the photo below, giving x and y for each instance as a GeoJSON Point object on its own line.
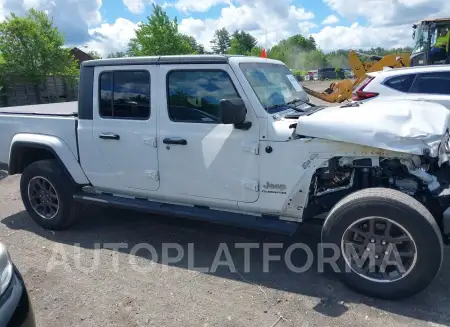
{"type": "Point", "coordinates": [390, 12]}
{"type": "Point", "coordinates": [113, 37]}
{"type": "Point", "coordinates": [330, 20]}
{"type": "Point", "coordinates": [73, 18]}
{"type": "Point", "coordinates": [197, 5]}
{"type": "Point", "coordinates": [267, 20]}
{"type": "Point", "coordinates": [305, 27]}
{"type": "Point", "coordinates": [136, 6]}
{"type": "Point", "coordinates": [363, 37]}
{"type": "Point", "coordinates": [2, 11]}
{"type": "Point", "coordinates": [389, 22]}
{"type": "Point", "coordinates": [300, 13]}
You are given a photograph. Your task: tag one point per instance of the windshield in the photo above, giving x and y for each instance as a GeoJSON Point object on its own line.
{"type": "Point", "coordinates": [420, 38]}
{"type": "Point", "coordinates": [273, 84]}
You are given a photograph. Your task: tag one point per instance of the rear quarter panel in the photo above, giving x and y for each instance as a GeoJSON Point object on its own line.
{"type": "Point", "coordinates": [12, 124]}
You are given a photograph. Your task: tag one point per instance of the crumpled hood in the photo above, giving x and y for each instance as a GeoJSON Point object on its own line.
{"type": "Point", "coordinates": [402, 126]}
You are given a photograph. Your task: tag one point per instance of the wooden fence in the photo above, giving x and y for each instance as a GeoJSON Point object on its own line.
{"type": "Point", "coordinates": [16, 92]}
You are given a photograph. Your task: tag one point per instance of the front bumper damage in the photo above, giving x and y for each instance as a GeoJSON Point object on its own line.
{"type": "Point", "coordinates": [444, 149]}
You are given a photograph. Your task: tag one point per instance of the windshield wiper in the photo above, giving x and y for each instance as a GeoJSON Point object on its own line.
{"type": "Point", "coordinates": [351, 104]}
{"type": "Point", "coordinates": [287, 105]}
{"type": "Point", "coordinates": [308, 113]}
{"type": "Point", "coordinates": [302, 101]}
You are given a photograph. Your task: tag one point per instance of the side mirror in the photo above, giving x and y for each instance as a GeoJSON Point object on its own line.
{"type": "Point", "coordinates": [232, 111]}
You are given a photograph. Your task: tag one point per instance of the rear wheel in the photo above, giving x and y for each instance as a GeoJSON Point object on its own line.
{"type": "Point", "coordinates": [390, 245]}
{"type": "Point", "coordinates": [47, 194]}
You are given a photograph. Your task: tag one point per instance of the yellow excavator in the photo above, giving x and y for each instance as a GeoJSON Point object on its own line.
{"type": "Point", "coordinates": [429, 49]}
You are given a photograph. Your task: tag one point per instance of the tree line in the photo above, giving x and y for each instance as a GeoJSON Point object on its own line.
{"type": "Point", "coordinates": [160, 36]}
{"type": "Point", "coordinates": [31, 46]}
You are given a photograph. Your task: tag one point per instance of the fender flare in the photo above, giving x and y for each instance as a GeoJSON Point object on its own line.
{"type": "Point", "coordinates": [55, 145]}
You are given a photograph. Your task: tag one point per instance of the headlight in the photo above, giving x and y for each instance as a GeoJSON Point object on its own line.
{"type": "Point", "coordinates": [6, 269]}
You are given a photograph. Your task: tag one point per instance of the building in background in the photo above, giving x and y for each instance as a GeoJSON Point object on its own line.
{"type": "Point", "coordinates": [80, 55]}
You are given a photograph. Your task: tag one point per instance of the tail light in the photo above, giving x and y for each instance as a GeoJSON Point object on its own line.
{"type": "Point", "coordinates": [363, 95]}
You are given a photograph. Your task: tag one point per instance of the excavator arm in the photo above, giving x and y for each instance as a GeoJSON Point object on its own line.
{"type": "Point", "coordinates": [340, 91]}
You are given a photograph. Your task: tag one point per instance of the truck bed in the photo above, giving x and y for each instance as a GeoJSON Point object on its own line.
{"type": "Point", "coordinates": [69, 109]}
{"type": "Point", "coordinates": [59, 120]}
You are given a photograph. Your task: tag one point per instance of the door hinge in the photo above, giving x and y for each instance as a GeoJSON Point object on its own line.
{"type": "Point", "coordinates": [151, 141]}
{"type": "Point", "coordinates": [252, 147]}
{"type": "Point", "coordinates": [251, 185]}
{"type": "Point", "coordinates": [153, 174]}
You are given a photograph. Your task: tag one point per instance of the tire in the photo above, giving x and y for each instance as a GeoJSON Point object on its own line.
{"type": "Point", "coordinates": [50, 172]}
{"type": "Point", "coordinates": [398, 210]}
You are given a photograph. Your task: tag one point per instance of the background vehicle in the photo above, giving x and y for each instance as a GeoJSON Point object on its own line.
{"type": "Point", "coordinates": [425, 36]}
{"type": "Point", "coordinates": [329, 73]}
{"type": "Point", "coordinates": [312, 75]}
{"type": "Point", "coordinates": [15, 306]}
{"type": "Point", "coordinates": [430, 83]}
{"type": "Point", "coordinates": [349, 73]}
{"type": "Point", "coordinates": [232, 139]}
{"type": "Point", "coordinates": [309, 76]}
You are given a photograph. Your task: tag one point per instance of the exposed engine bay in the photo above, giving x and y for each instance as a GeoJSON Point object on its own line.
{"type": "Point", "coordinates": [418, 177]}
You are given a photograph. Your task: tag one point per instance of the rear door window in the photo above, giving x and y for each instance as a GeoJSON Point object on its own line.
{"type": "Point", "coordinates": [400, 83]}
{"type": "Point", "coordinates": [124, 95]}
{"type": "Point", "coordinates": [432, 83]}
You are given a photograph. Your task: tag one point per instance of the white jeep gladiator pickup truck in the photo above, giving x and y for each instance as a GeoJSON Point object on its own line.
{"type": "Point", "coordinates": [231, 139]}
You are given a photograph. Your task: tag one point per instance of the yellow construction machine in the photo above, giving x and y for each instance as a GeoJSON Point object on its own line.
{"type": "Point", "coordinates": [340, 91]}
{"type": "Point", "coordinates": [428, 37]}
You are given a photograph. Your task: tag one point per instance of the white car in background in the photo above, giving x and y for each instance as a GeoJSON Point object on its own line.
{"type": "Point", "coordinates": [430, 83]}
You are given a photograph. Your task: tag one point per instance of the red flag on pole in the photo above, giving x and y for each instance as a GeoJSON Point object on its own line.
{"type": "Point", "coordinates": [263, 53]}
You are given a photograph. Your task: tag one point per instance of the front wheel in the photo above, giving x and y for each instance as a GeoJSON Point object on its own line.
{"type": "Point", "coordinates": [390, 245]}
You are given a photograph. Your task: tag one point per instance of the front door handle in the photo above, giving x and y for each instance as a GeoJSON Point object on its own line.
{"type": "Point", "coordinates": [109, 136]}
{"type": "Point", "coordinates": [175, 140]}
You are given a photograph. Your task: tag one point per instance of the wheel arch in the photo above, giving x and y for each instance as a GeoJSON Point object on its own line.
{"type": "Point", "coordinates": [28, 148]}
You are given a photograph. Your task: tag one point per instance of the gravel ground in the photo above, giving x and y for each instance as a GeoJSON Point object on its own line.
{"type": "Point", "coordinates": [74, 282]}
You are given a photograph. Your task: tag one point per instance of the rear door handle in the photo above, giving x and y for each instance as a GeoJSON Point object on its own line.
{"type": "Point", "coordinates": [109, 136]}
{"type": "Point", "coordinates": [175, 140]}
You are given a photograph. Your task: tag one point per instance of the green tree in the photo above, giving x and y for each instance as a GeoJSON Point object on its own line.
{"type": "Point", "coordinates": [256, 51]}
{"type": "Point", "coordinates": [312, 42]}
{"type": "Point", "coordinates": [242, 43]}
{"type": "Point", "coordinates": [300, 42]}
{"type": "Point", "coordinates": [118, 54]}
{"type": "Point", "coordinates": [221, 42]}
{"type": "Point", "coordinates": [33, 48]}
{"type": "Point", "coordinates": [315, 59]}
{"type": "Point", "coordinates": [159, 36]}
{"type": "Point", "coordinates": [197, 47]}
{"type": "Point", "coordinates": [338, 58]}
{"type": "Point", "coordinates": [95, 54]}
{"type": "Point", "coordinates": [278, 52]}
{"type": "Point", "coordinates": [298, 52]}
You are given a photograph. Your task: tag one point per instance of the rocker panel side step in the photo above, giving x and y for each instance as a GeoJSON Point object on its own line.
{"type": "Point", "coordinates": [263, 223]}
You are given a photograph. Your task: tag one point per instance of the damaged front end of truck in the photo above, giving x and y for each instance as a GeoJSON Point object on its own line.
{"type": "Point", "coordinates": [403, 145]}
